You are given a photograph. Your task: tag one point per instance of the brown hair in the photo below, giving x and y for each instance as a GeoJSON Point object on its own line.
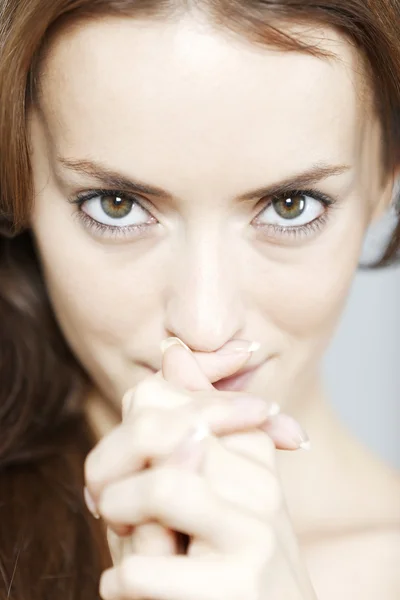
{"type": "Point", "coordinates": [49, 545]}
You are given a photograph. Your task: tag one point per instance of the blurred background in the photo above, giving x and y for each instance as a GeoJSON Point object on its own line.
{"type": "Point", "coordinates": [362, 366]}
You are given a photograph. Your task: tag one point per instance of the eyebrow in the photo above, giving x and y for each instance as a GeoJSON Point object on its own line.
{"type": "Point", "coordinates": [117, 181]}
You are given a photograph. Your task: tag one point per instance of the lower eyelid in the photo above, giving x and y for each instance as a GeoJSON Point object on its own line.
{"type": "Point", "coordinates": [108, 230]}
{"type": "Point", "coordinates": [141, 229]}
{"type": "Point", "coordinates": [278, 231]}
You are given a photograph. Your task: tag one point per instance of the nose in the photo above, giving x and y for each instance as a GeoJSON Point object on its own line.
{"type": "Point", "coordinates": [203, 304]}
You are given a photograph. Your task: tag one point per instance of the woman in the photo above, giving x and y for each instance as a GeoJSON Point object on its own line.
{"type": "Point", "coordinates": [199, 176]}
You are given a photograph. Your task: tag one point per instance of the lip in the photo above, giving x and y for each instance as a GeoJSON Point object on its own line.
{"type": "Point", "coordinates": [237, 382]}
{"type": "Point", "coordinates": [234, 383]}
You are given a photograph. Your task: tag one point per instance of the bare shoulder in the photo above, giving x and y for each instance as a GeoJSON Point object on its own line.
{"type": "Point", "coordinates": [363, 565]}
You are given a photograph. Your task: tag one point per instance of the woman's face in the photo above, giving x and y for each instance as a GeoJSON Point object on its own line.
{"type": "Point", "coordinates": [224, 190]}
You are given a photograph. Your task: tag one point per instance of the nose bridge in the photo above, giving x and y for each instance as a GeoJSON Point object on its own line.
{"type": "Point", "coordinates": [203, 307]}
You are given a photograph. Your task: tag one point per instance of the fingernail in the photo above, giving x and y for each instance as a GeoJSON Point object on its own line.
{"type": "Point", "coordinates": [172, 341]}
{"type": "Point", "coordinates": [274, 409]}
{"type": "Point", "coordinates": [306, 445]}
{"type": "Point", "coordinates": [238, 346]}
{"type": "Point", "coordinates": [302, 439]}
{"type": "Point", "coordinates": [288, 431]}
{"type": "Point", "coordinates": [90, 503]}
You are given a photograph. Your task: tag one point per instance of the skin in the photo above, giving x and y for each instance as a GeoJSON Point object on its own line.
{"type": "Point", "coordinates": [209, 118]}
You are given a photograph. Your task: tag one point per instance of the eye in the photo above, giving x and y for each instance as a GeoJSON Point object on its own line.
{"type": "Point", "coordinates": [293, 210]}
{"type": "Point", "coordinates": [115, 210]}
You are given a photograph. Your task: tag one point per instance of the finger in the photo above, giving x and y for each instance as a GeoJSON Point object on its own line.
{"type": "Point", "coordinates": [245, 477]}
{"type": "Point", "coordinates": [227, 361]}
{"type": "Point", "coordinates": [240, 480]}
{"type": "Point", "coordinates": [195, 370]}
{"type": "Point", "coordinates": [286, 433]}
{"type": "Point", "coordinates": [180, 367]}
{"type": "Point", "coordinates": [153, 392]}
{"type": "Point", "coordinates": [282, 430]}
{"type": "Point", "coordinates": [154, 434]}
{"type": "Point", "coordinates": [184, 502]}
{"type": "Point", "coordinates": [179, 578]}
{"type": "Point", "coordinates": [119, 547]}
{"type": "Point", "coordinates": [152, 539]}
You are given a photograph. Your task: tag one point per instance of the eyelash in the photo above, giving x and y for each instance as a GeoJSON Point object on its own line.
{"type": "Point", "coordinates": [293, 232]}
{"type": "Point", "coordinates": [300, 231]}
{"type": "Point", "coordinates": [101, 228]}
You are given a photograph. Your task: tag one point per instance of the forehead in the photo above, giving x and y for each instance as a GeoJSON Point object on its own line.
{"type": "Point", "coordinates": [126, 90]}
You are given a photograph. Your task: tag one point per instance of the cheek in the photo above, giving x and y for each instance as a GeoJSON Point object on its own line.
{"type": "Point", "coordinates": [101, 294]}
{"type": "Point", "coordinates": [300, 308]}
{"type": "Point", "coordinates": [313, 299]}
{"type": "Point", "coordinates": [306, 288]}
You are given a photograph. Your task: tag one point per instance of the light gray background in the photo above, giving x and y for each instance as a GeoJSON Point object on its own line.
{"type": "Point", "coordinates": [362, 366]}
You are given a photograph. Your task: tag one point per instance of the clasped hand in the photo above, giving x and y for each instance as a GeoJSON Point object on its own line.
{"type": "Point", "coordinates": [189, 462]}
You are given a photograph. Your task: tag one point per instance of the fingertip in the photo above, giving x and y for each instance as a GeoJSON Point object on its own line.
{"type": "Point", "coordinates": [180, 367]}
{"type": "Point", "coordinates": [286, 433]}
{"type": "Point", "coordinates": [172, 341]}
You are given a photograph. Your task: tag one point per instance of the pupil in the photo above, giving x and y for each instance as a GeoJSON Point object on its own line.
{"type": "Point", "coordinates": [289, 202]}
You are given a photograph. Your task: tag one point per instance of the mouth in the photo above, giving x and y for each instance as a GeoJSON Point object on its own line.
{"type": "Point", "coordinates": [234, 383]}
{"type": "Point", "coordinates": [237, 382]}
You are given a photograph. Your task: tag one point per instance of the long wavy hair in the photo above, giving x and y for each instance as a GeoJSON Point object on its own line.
{"type": "Point", "coordinates": [50, 547]}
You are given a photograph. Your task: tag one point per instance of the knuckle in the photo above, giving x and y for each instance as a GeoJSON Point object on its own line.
{"type": "Point", "coordinates": [143, 426]}
{"type": "Point", "coordinates": [146, 391]}
{"type": "Point", "coordinates": [153, 433]}
{"type": "Point", "coordinates": [163, 489]}
{"type": "Point", "coordinates": [173, 492]}
{"type": "Point", "coordinates": [158, 393]}
{"type": "Point", "coordinates": [93, 473]}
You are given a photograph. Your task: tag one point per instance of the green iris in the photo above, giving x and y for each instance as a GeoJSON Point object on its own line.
{"type": "Point", "coordinates": [116, 207]}
{"type": "Point", "coordinates": [290, 208]}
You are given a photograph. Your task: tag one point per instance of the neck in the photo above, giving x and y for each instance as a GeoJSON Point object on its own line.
{"type": "Point", "coordinates": [326, 488]}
